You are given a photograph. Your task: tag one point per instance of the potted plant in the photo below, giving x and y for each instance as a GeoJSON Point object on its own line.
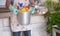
{"type": "Point", "coordinates": [53, 14]}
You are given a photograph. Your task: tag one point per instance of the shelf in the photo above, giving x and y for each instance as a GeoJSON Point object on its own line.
{"type": "Point", "coordinates": [3, 10]}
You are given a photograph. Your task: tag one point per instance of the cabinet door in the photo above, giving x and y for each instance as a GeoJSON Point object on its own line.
{"type": "Point", "coordinates": [5, 22]}
{"type": "Point", "coordinates": [4, 27]}
{"type": "Point", "coordinates": [1, 23]}
{"type": "Point", "coordinates": [1, 27]}
{"type": "Point", "coordinates": [2, 3]}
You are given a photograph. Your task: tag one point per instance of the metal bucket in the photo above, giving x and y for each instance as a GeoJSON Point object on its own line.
{"type": "Point", "coordinates": [24, 18]}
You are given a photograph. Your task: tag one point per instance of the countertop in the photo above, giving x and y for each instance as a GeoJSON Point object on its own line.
{"type": "Point", "coordinates": [8, 14]}
{"type": "Point", "coordinates": [5, 12]}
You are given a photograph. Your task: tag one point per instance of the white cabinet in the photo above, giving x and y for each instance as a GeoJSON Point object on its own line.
{"type": "Point", "coordinates": [1, 23]}
{"type": "Point", "coordinates": [39, 30]}
{"type": "Point", "coordinates": [6, 31]}
{"type": "Point", "coordinates": [38, 26]}
{"type": "Point", "coordinates": [5, 22]}
{"type": "Point", "coordinates": [4, 27]}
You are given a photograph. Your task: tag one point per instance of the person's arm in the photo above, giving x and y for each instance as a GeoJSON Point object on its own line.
{"type": "Point", "coordinates": [15, 3]}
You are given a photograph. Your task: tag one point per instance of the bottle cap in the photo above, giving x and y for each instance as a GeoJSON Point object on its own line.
{"type": "Point", "coordinates": [20, 5]}
{"type": "Point", "coordinates": [26, 7]}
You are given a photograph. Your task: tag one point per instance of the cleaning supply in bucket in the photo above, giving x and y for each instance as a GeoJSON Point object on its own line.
{"type": "Point", "coordinates": [26, 7]}
{"type": "Point", "coordinates": [19, 10]}
{"type": "Point", "coordinates": [20, 5]}
{"type": "Point", "coordinates": [23, 10]}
